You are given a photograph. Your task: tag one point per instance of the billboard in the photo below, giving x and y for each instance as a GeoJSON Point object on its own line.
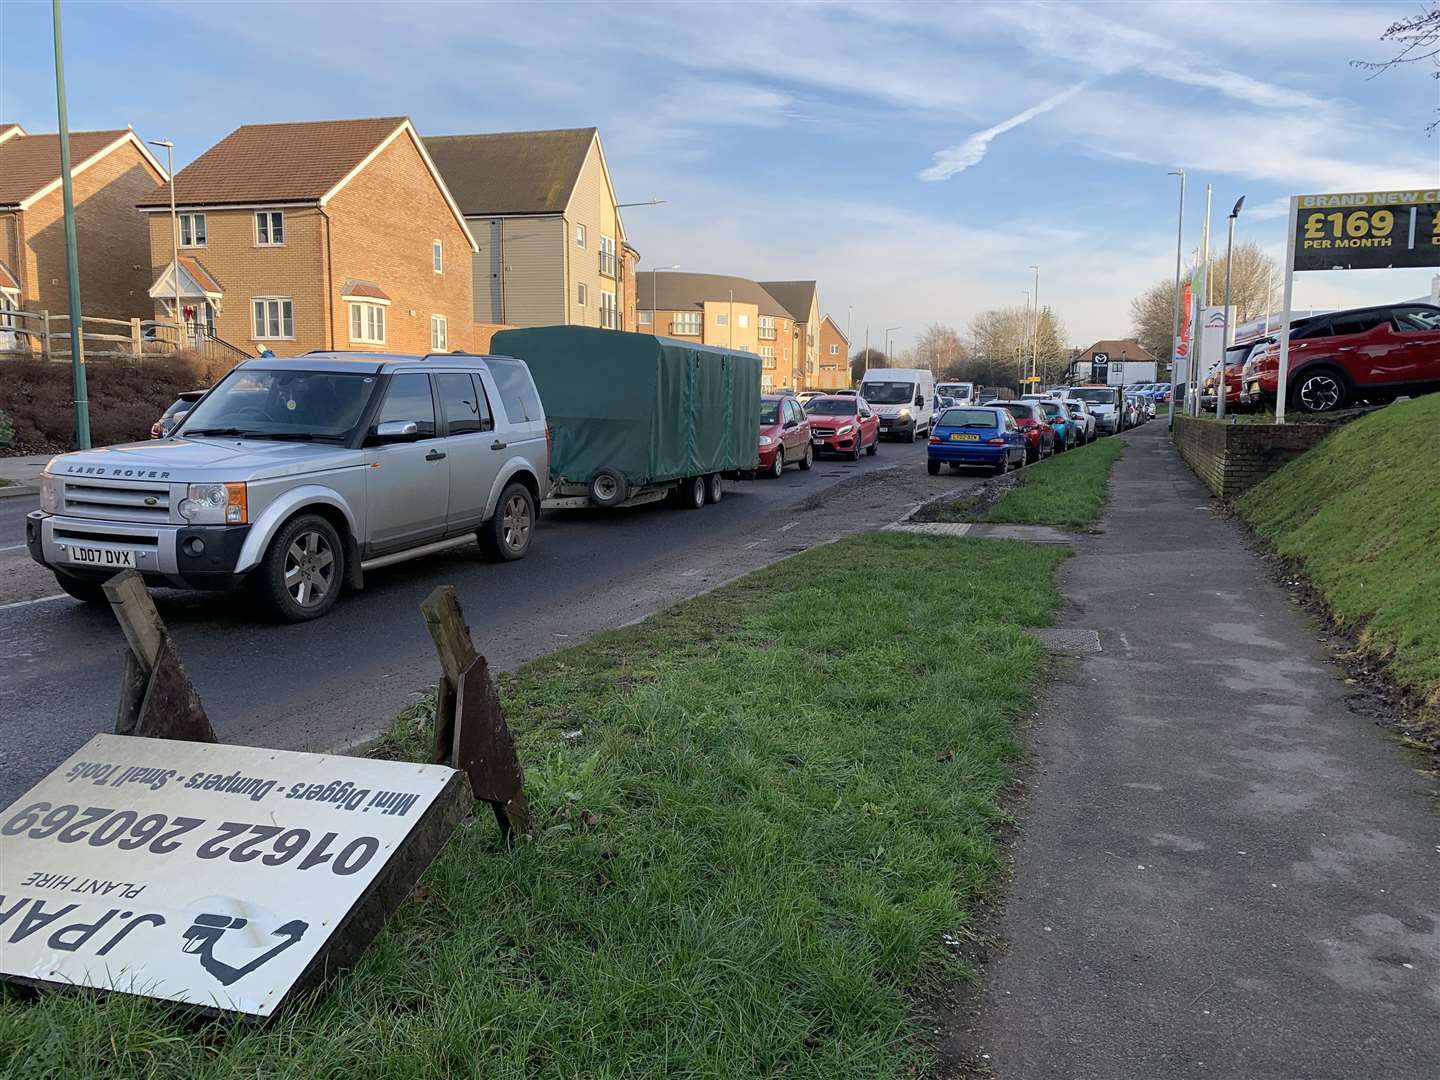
{"type": "Point", "coordinates": [1367, 230]}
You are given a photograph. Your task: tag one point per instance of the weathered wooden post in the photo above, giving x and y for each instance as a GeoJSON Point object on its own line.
{"type": "Point", "coordinates": [45, 335]}
{"type": "Point", "coordinates": [470, 730]}
{"type": "Point", "coordinates": [137, 342]}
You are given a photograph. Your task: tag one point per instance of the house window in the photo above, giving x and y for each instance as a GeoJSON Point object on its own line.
{"type": "Point", "coordinates": [767, 382]}
{"type": "Point", "coordinates": [367, 324]}
{"type": "Point", "coordinates": [607, 255]}
{"type": "Point", "coordinates": [192, 230]}
{"type": "Point", "coordinates": [722, 320]}
{"type": "Point", "coordinates": [439, 333]}
{"type": "Point", "coordinates": [269, 228]}
{"type": "Point", "coordinates": [273, 317]}
{"type": "Point", "coordinates": [742, 320]}
{"type": "Point", "coordinates": [582, 294]}
{"type": "Point", "coordinates": [834, 350]}
{"type": "Point", "coordinates": [609, 311]}
{"type": "Point", "coordinates": [767, 328]}
{"type": "Point", "coordinates": [579, 236]}
{"type": "Point", "coordinates": [767, 356]}
{"type": "Point", "coordinates": [437, 256]}
{"type": "Point", "coordinates": [645, 318]}
{"type": "Point", "coordinates": [686, 322]}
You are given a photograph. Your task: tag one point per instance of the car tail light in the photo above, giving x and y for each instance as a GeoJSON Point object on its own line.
{"type": "Point", "coordinates": [995, 442]}
{"type": "Point", "coordinates": [934, 439]}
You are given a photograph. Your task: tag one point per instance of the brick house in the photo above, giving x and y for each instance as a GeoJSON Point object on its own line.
{"type": "Point", "coordinates": [801, 300]}
{"type": "Point", "coordinates": [718, 309]}
{"type": "Point", "coordinates": [551, 242]}
{"type": "Point", "coordinates": [834, 369]}
{"type": "Point", "coordinates": [334, 234]}
{"type": "Point", "coordinates": [110, 170]}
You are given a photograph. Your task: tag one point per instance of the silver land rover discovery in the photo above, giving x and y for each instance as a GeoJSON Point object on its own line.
{"type": "Point", "coordinates": [294, 476]}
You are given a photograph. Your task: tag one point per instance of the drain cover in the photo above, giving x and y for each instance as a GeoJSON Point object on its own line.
{"type": "Point", "coordinates": [1070, 642]}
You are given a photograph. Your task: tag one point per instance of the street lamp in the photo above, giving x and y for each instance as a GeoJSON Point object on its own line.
{"type": "Point", "coordinates": [1035, 332]}
{"type": "Point", "coordinates": [174, 233]}
{"type": "Point", "coordinates": [1226, 341]}
{"type": "Point", "coordinates": [1175, 305]}
{"type": "Point", "coordinates": [887, 342]}
{"type": "Point", "coordinates": [655, 293]}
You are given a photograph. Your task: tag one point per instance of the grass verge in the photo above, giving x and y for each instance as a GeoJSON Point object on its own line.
{"type": "Point", "coordinates": [782, 794]}
{"type": "Point", "coordinates": [1067, 490]}
{"type": "Point", "coordinates": [1359, 515]}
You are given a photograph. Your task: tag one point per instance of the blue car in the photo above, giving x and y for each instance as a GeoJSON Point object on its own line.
{"type": "Point", "coordinates": [1066, 434]}
{"type": "Point", "coordinates": [975, 436]}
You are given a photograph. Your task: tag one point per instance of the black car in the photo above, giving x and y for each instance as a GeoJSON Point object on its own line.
{"type": "Point", "coordinates": [175, 413]}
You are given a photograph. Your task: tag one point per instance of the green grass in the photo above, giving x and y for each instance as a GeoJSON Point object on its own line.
{"type": "Point", "coordinates": [784, 794]}
{"type": "Point", "coordinates": [1360, 513]}
{"type": "Point", "coordinates": [1066, 490]}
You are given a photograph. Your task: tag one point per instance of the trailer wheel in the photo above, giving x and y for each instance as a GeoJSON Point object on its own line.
{"type": "Point", "coordinates": [691, 493]}
{"type": "Point", "coordinates": [608, 488]}
{"type": "Point", "coordinates": [714, 488]}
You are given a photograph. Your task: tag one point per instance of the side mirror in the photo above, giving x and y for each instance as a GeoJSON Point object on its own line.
{"type": "Point", "coordinates": [919, 399]}
{"type": "Point", "coordinates": [396, 431]}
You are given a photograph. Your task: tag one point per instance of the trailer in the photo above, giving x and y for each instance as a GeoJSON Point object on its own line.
{"type": "Point", "coordinates": [636, 418]}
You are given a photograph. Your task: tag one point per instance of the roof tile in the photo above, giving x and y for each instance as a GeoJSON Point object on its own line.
{"type": "Point", "coordinates": [29, 162]}
{"type": "Point", "coordinates": [511, 172]}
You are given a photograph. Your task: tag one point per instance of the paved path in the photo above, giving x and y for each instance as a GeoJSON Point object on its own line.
{"type": "Point", "coordinates": [1223, 872]}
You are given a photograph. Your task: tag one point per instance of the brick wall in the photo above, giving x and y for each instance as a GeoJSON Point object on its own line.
{"type": "Point", "coordinates": [1231, 458]}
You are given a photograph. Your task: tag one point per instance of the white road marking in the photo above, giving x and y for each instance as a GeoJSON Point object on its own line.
{"type": "Point", "coordinates": [39, 600]}
{"type": "Point", "coordinates": [752, 545]}
{"type": "Point", "coordinates": [787, 528]}
{"type": "Point", "coordinates": [13, 547]}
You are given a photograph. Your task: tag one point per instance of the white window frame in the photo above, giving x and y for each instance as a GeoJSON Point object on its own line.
{"type": "Point", "coordinates": [437, 256]}
{"type": "Point", "coordinates": [608, 264]}
{"type": "Point", "coordinates": [644, 318]}
{"type": "Point", "coordinates": [834, 350]}
{"type": "Point", "coordinates": [200, 237]}
{"type": "Point", "coordinates": [742, 320]}
{"type": "Point", "coordinates": [722, 319]}
{"type": "Point", "coordinates": [767, 328]}
{"type": "Point", "coordinates": [371, 316]}
{"type": "Point", "coordinates": [281, 304]}
{"type": "Point", "coordinates": [439, 333]}
{"type": "Point", "coordinates": [582, 294]}
{"type": "Point", "coordinates": [579, 234]}
{"type": "Point", "coordinates": [270, 217]}
{"type": "Point", "coordinates": [687, 323]}
{"type": "Point", "coordinates": [609, 310]}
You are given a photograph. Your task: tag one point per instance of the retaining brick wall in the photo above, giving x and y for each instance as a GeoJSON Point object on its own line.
{"type": "Point", "coordinates": [1233, 457]}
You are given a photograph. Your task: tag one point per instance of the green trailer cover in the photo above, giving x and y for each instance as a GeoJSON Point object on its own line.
{"type": "Point", "coordinates": [654, 408]}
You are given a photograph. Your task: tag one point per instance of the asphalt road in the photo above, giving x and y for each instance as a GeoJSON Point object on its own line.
{"type": "Point", "coordinates": [12, 519]}
{"type": "Point", "coordinates": [331, 683]}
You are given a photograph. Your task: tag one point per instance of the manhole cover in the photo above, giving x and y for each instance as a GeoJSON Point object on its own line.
{"type": "Point", "coordinates": [934, 528]}
{"type": "Point", "coordinates": [1069, 642]}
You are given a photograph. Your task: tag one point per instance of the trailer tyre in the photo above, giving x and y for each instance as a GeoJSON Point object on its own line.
{"type": "Point", "coordinates": [714, 488]}
{"type": "Point", "coordinates": [691, 493]}
{"type": "Point", "coordinates": [608, 488]}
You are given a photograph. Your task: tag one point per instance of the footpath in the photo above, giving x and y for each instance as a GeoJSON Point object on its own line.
{"type": "Point", "coordinates": [1223, 871]}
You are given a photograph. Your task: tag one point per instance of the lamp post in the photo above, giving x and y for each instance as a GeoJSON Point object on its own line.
{"type": "Point", "coordinates": [1229, 324]}
{"type": "Point", "coordinates": [1035, 331]}
{"type": "Point", "coordinates": [655, 294]}
{"type": "Point", "coordinates": [1175, 312]}
{"type": "Point", "coordinates": [887, 343]}
{"type": "Point", "coordinates": [72, 264]}
{"type": "Point", "coordinates": [174, 233]}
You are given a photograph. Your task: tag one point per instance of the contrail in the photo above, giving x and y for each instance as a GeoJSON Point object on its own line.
{"type": "Point", "coordinates": [956, 159]}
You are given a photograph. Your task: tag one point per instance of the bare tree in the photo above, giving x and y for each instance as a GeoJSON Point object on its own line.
{"type": "Point", "coordinates": [1252, 275]}
{"type": "Point", "coordinates": [865, 359]}
{"type": "Point", "coordinates": [1417, 37]}
{"type": "Point", "coordinates": [938, 347]}
{"type": "Point", "coordinates": [1003, 341]}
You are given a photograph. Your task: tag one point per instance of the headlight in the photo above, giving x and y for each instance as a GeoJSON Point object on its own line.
{"type": "Point", "coordinates": [216, 504]}
{"type": "Point", "coordinates": [50, 487]}
{"type": "Point", "coordinates": [904, 414]}
{"type": "Point", "coordinates": [846, 429]}
{"type": "Point", "coordinates": [766, 440]}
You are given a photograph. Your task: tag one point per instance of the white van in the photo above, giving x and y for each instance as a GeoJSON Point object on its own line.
{"type": "Point", "coordinates": [962, 392]}
{"type": "Point", "coordinates": [903, 399]}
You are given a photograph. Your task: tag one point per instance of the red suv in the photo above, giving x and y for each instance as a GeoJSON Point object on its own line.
{"type": "Point", "coordinates": [1033, 424]}
{"type": "Point", "coordinates": [1369, 354]}
{"type": "Point", "coordinates": [842, 425]}
{"type": "Point", "coordinates": [784, 435]}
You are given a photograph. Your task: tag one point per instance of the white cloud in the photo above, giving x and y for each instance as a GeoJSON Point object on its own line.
{"type": "Point", "coordinates": [959, 158]}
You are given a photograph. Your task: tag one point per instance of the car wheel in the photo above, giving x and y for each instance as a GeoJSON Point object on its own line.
{"type": "Point", "coordinates": [1320, 390]}
{"type": "Point", "coordinates": [874, 447]}
{"type": "Point", "coordinates": [608, 488]}
{"type": "Point", "coordinates": [914, 433]}
{"type": "Point", "coordinates": [302, 571]}
{"type": "Point", "coordinates": [692, 493]}
{"type": "Point", "coordinates": [1029, 458]}
{"type": "Point", "coordinates": [933, 468]}
{"type": "Point", "coordinates": [507, 535]}
{"type": "Point", "coordinates": [82, 589]}
{"type": "Point", "coordinates": [714, 488]}
{"type": "Point", "coordinates": [809, 458]}
{"type": "Point", "coordinates": [1004, 466]}
{"type": "Point", "coordinates": [855, 454]}
{"type": "Point", "coordinates": [777, 466]}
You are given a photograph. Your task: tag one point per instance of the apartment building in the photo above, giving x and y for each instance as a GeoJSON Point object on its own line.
{"type": "Point", "coordinates": [550, 240]}
{"type": "Point", "coordinates": [801, 301]}
{"type": "Point", "coordinates": [334, 234]}
{"type": "Point", "coordinates": [110, 171]}
{"type": "Point", "coordinates": [717, 309]}
{"type": "Point", "coordinates": [834, 360]}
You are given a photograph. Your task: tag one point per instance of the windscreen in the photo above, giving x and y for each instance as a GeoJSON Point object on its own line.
{"type": "Point", "coordinates": [263, 404]}
{"type": "Point", "coordinates": [769, 412]}
{"type": "Point", "coordinates": [969, 418]}
{"type": "Point", "coordinates": [1096, 395]}
{"type": "Point", "coordinates": [1018, 411]}
{"type": "Point", "coordinates": [830, 406]}
{"type": "Point", "coordinates": [888, 393]}
{"type": "Point", "coordinates": [1051, 410]}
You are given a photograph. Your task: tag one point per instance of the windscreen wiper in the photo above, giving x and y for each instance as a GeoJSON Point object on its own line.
{"type": "Point", "coordinates": [217, 431]}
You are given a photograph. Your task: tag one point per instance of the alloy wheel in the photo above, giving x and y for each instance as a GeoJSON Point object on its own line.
{"type": "Point", "coordinates": [1321, 392]}
{"type": "Point", "coordinates": [515, 524]}
{"type": "Point", "coordinates": [309, 569]}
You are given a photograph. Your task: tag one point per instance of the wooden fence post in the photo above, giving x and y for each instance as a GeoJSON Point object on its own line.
{"type": "Point", "coordinates": [44, 335]}
{"type": "Point", "coordinates": [137, 343]}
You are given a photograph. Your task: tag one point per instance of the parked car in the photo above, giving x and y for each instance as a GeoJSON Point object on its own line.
{"type": "Point", "coordinates": [807, 396]}
{"type": "Point", "coordinates": [903, 399]}
{"type": "Point", "coordinates": [295, 476]}
{"type": "Point", "coordinates": [1079, 408]}
{"type": "Point", "coordinates": [1034, 425]}
{"type": "Point", "coordinates": [1105, 403]}
{"type": "Point", "coordinates": [1067, 431]}
{"type": "Point", "coordinates": [784, 435]}
{"type": "Point", "coordinates": [175, 413]}
{"type": "Point", "coordinates": [975, 435]}
{"type": "Point", "coordinates": [843, 425]}
{"type": "Point", "coordinates": [1365, 354]}
{"type": "Point", "coordinates": [1236, 356]}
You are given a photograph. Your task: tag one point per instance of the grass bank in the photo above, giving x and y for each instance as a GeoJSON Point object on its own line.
{"type": "Point", "coordinates": [1066, 490]}
{"type": "Point", "coordinates": [1360, 515]}
{"type": "Point", "coordinates": [782, 795]}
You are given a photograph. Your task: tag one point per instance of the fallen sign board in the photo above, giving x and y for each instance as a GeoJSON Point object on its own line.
{"type": "Point", "coordinates": [219, 876]}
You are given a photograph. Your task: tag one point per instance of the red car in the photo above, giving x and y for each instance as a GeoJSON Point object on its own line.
{"type": "Point", "coordinates": [1366, 354]}
{"type": "Point", "coordinates": [784, 435]}
{"type": "Point", "coordinates": [1235, 357]}
{"type": "Point", "coordinates": [1034, 425]}
{"type": "Point", "coordinates": [842, 425]}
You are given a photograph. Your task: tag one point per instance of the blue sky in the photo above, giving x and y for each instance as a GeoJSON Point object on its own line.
{"type": "Point", "coordinates": [914, 158]}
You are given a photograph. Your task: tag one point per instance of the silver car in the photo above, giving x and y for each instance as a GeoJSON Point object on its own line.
{"type": "Point", "coordinates": [295, 476]}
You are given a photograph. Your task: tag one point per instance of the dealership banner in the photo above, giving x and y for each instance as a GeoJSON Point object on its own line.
{"type": "Point", "coordinates": [198, 873]}
{"type": "Point", "coordinates": [1367, 230]}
